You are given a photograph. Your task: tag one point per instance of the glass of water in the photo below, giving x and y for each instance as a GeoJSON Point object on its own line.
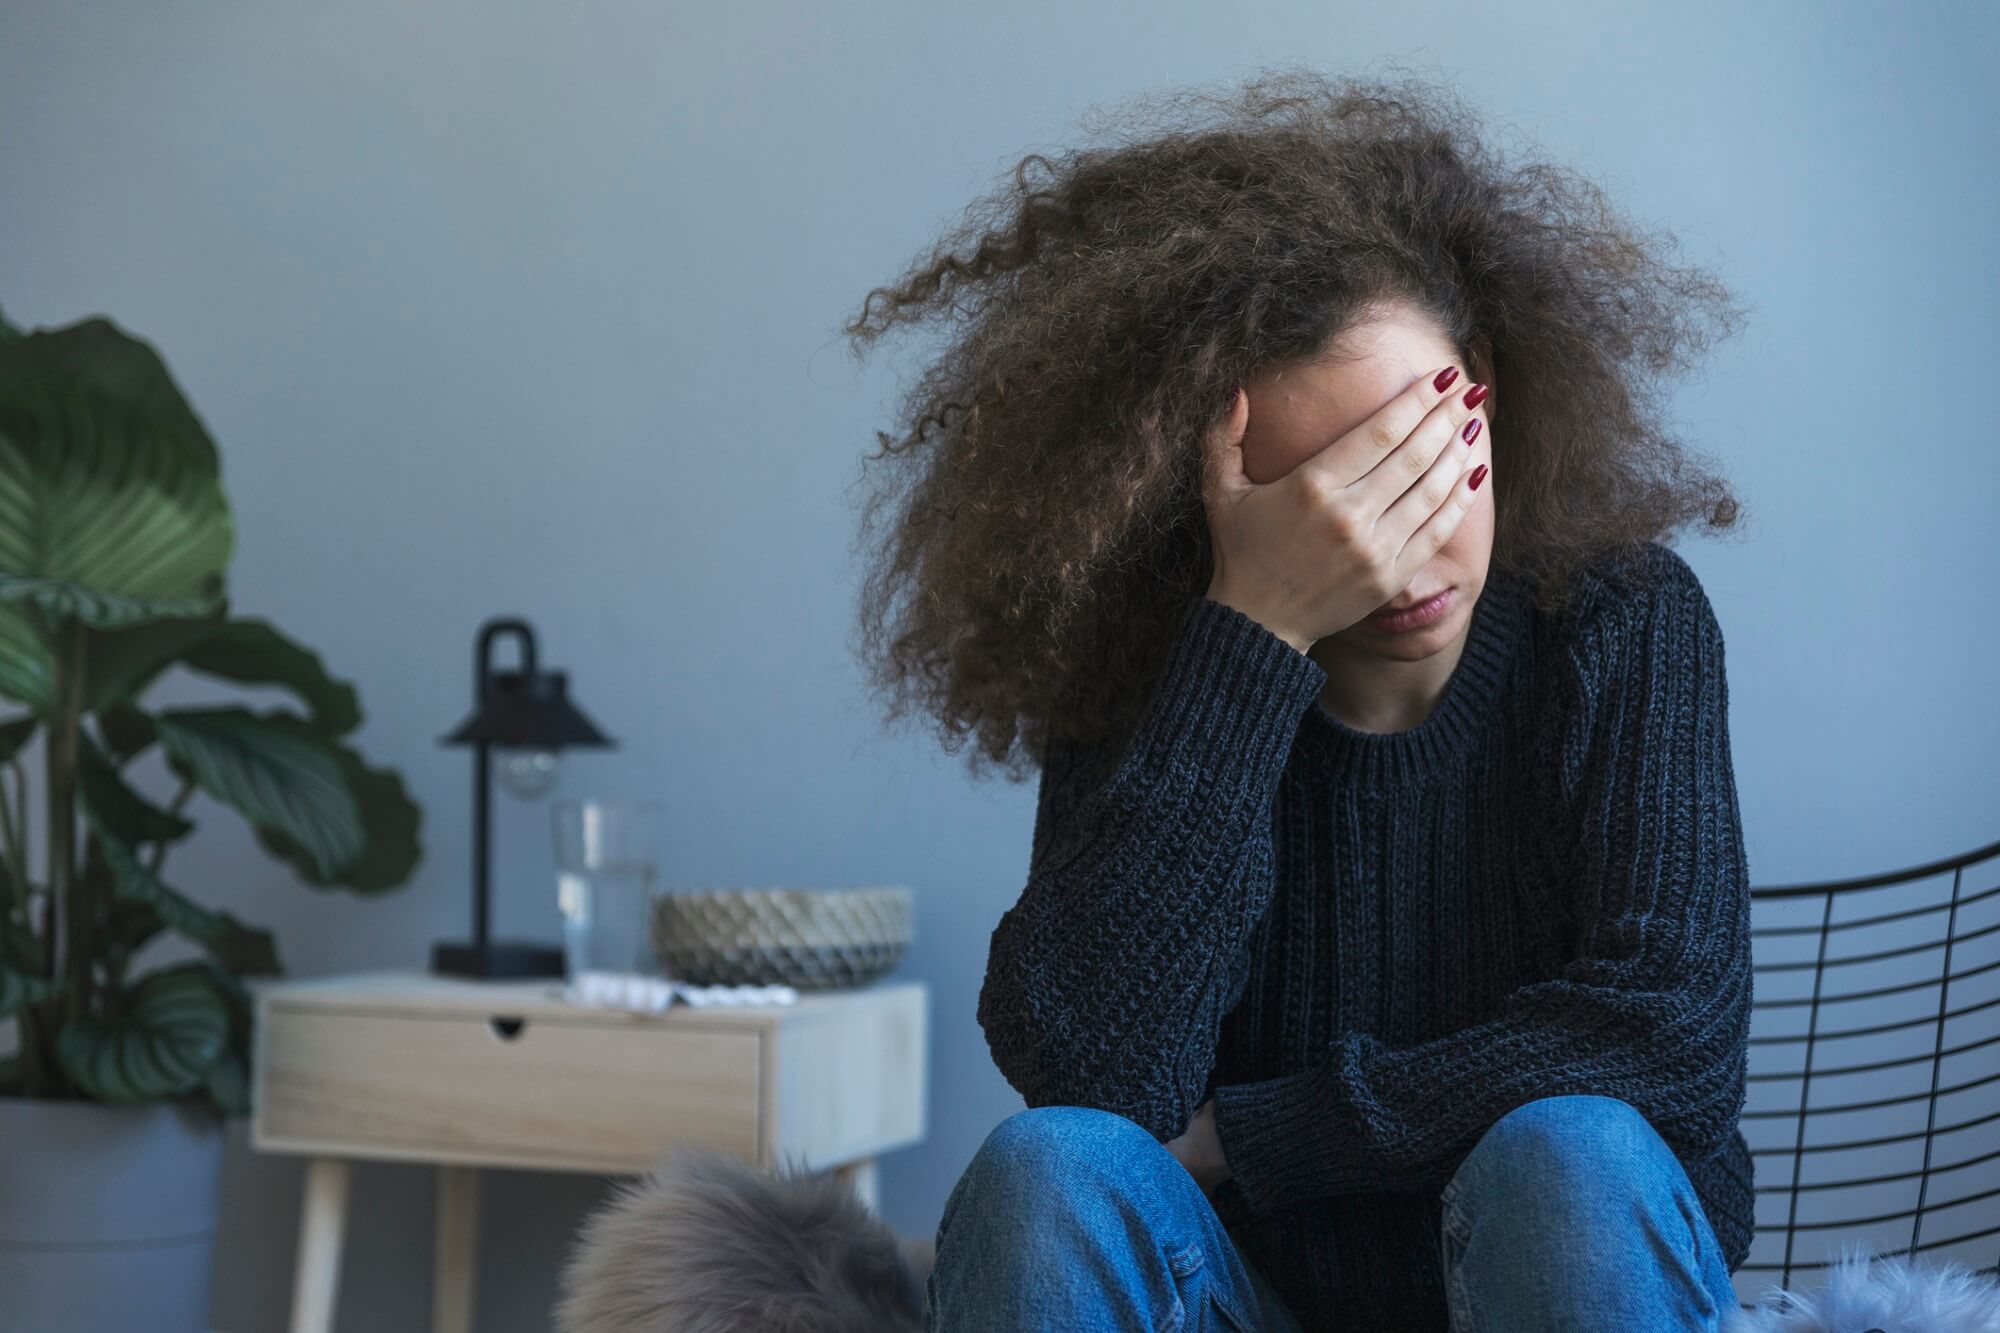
{"type": "Point", "coordinates": [606, 860]}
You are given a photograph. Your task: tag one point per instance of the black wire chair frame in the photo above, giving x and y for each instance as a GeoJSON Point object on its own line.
{"type": "Point", "coordinates": [1810, 1150]}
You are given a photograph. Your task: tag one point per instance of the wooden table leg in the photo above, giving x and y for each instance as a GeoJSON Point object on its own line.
{"type": "Point", "coordinates": [453, 1263]}
{"type": "Point", "coordinates": [861, 1175]}
{"type": "Point", "coordinates": [322, 1221]}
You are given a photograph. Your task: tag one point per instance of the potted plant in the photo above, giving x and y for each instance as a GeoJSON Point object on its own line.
{"type": "Point", "coordinates": [114, 538]}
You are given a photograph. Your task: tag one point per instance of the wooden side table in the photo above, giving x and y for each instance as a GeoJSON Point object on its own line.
{"type": "Point", "coordinates": [467, 1073]}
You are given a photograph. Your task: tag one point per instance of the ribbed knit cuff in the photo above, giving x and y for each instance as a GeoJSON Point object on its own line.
{"type": "Point", "coordinates": [1291, 1133]}
{"type": "Point", "coordinates": [1228, 702]}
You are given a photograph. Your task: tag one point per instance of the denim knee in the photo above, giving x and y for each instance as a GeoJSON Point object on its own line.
{"type": "Point", "coordinates": [1057, 1147]}
{"type": "Point", "coordinates": [1057, 1159]}
{"type": "Point", "coordinates": [1047, 1169]}
{"type": "Point", "coordinates": [1074, 1217]}
{"type": "Point", "coordinates": [1569, 1149]}
{"type": "Point", "coordinates": [1573, 1212]}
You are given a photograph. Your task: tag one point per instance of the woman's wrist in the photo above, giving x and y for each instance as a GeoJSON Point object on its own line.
{"type": "Point", "coordinates": [1217, 593]}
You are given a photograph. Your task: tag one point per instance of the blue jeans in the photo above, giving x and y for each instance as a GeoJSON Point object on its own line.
{"type": "Point", "coordinates": [1570, 1213]}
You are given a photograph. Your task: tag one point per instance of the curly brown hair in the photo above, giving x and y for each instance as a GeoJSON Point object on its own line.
{"type": "Point", "coordinates": [1046, 526]}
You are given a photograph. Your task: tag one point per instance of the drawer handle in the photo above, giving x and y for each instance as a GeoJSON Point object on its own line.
{"type": "Point", "coordinates": [506, 1026]}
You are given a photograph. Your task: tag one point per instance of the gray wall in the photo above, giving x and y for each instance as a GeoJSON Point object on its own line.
{"type": "Point", "coordinates": [531, 308]}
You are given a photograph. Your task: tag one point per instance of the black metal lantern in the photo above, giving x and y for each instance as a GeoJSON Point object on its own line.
{"type": "Point", "coordinates": [526, 715]}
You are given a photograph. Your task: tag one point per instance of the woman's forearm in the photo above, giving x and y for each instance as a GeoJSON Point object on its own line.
{"type": "Point", "coordinates": [1107, 982]}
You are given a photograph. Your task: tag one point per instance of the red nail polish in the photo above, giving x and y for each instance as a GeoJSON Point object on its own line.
{"type": "Point", "coordinates": [1478, 475]}
{"type": "Point", "coordinates": [1475, 395]}
{"type": "Point", "coordinates": [1471, 432]}
{"type": "Point", "coordinates": [1444, 378]}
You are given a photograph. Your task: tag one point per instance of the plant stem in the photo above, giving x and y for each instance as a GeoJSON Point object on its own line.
{"type": "Point", "coordinates": [28, 1027]}
{"type": "Point", "coordinates": [17, 827]}
{"type": "Point", "coordinates": [17, 855]}
{"type": "Point", "coordinates": [173, 808]}
{"type": "Point", "coordinates": [21, 807]}
{"type": "Point", "coordinates": [65, 885]}
{"type": "Point", "coordinates": [8, 835]}
{"type": "Point", "coordinates": [21, 911]}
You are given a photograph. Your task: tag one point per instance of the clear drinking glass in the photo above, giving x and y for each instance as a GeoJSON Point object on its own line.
{"type": "Point", "coordinates": [606, 860]}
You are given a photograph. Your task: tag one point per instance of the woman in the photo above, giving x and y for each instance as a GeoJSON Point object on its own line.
{"type": "Point", "coordinates": [1383, 960]}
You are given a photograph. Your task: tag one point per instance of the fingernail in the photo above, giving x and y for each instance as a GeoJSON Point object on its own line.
{"type": "Point", "coordinates": [1471, 432]}
{"type": "Point", "coordinates": [1478, 475]}
{"type": "Point", "coordinates": [1475, 395]}
{"type": "Point", "coordinates": [1444, 378]}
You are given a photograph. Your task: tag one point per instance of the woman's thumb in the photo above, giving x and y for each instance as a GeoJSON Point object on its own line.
{"type": "Point", "coordinates": [1224, 452]}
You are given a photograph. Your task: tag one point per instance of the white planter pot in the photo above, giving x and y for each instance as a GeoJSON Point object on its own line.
{"type": "Point", "coordinates": [107, 1215]}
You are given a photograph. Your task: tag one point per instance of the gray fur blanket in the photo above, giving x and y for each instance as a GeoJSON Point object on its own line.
{"type": "Point", "coordinates": [1867, 1293]}
{"type": "Point", "coordinates": [707, 1243]}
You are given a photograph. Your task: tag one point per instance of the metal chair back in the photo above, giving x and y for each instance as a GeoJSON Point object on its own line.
{"type": "Point", "coordinates": [1873, 1113]}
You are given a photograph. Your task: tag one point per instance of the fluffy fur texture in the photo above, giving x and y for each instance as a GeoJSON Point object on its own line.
{"type": "Point", "coordinates": [1865, 1293]}
{"type": "Point", "coordinates": [708, 1243]}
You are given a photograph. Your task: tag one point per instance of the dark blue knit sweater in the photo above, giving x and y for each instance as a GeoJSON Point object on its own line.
{"type": "Point", "coordinates": [1369, 947]}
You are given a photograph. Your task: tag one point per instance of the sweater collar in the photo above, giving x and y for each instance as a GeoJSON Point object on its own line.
{"type": "Point", "coordinates": [1366, 759]}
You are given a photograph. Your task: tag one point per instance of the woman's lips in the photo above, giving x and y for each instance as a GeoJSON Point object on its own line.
{"type": "Point", "coordinates": [1415, 617]}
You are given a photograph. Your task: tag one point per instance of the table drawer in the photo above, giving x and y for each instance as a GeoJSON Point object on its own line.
{"type": "Point", "coordinates": [537, 1092]}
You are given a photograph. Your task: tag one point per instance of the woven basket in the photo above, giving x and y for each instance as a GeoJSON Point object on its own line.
{"type": "Point", "coordinates": [814, 939]}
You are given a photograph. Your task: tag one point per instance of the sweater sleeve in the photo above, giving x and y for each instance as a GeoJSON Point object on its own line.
{"type": "Point", "coordinates": [1654, 1008]}
{"type": "Point", "coordinates": [1107, 982]}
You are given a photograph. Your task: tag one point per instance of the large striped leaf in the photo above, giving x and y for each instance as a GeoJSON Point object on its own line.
{"type": "Point", "coordinates": [243, 949]}
{"type": "Point", "coordinates": [25, 668]}
{"type": "Point", "coordinates": [252, 651]}
{"type": "Point", "coordinates": [228, 1079]}
{"type": "Point", "coordinates": [160, 1040]}
{"type": "Point", "coordinates": [277, 776]}
{"type": "Point", "coordinates": [129, 816]}
{"type": "Point", "coordinates": [117, 662]}
{"type": "Point", "coordinates": [61, 598]}
{"type": "Point", "coordinates": [120, 663]}
{"type": "Point", "coordinates": [111, 502]}
{"type": "Point", "coordinates": [126, 730]}
{"type": "Point", "coordinates": [392, 821]}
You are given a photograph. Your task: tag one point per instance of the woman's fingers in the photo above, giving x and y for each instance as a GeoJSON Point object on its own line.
{"type": "Point", "coordinates": [1363, 462]}
{"type": "Point", "coordinates": [1435, 487]}
{"type": "Point", "coordinates": [1439, 436]}
{"type": "Point", "coordinates": [1438, 528]}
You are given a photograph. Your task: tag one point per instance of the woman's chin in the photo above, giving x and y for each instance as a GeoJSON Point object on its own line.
{"type": "Point", "coordinates": [1410, 645]}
